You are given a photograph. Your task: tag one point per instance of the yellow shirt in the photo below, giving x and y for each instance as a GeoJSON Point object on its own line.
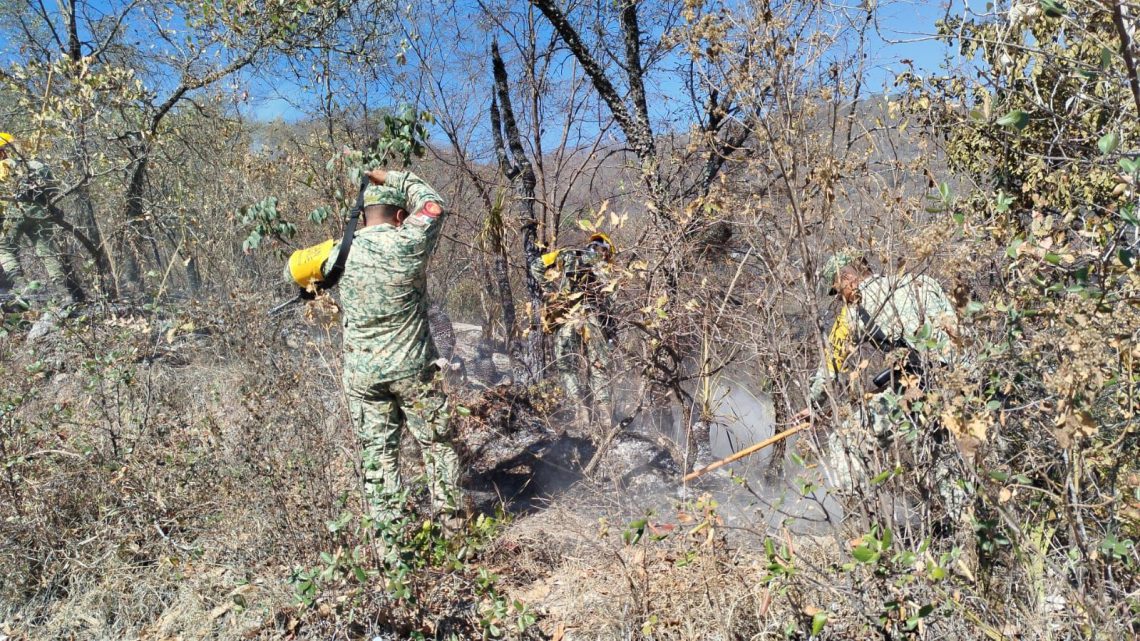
{"type": "Point", "coordinates": [6, 167]}
{"type": "Point", "coordinates": [838, 343]}
{"type": "Point", "coordinates": [836, 352]}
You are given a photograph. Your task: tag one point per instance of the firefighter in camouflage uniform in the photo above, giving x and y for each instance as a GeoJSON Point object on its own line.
{"type": "Point", "coordinates": [390, 378]}
{"type": "Point", "coordinates": [32, 184]}
{"type": "Point", "coordinates": [576, 314]}
{"type": "Point", "coordinates": [910, 319]}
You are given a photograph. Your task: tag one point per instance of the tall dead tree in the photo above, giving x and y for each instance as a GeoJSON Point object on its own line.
{"type": "Point", "coordinates": [140, 146]}
{"type": "Point", "coordinates": [517, 168]}
{"type": "Point", "coordinates": [622, 87]}
{"type": "Point", "coordinates": [632, 116]}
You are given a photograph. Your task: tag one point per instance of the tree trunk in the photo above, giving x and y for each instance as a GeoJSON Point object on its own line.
{"type": "Point", "coordinates": [130, 245]}
{"type": "Point", "coordinates": [517, 168]}
{"type": "Point", "coordinates": [633, 123]}
{"type": "Point", "coordinates": [506, 298]}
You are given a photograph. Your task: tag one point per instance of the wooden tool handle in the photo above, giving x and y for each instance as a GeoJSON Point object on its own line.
{"type": "Point", "coordinates": [751, 449]}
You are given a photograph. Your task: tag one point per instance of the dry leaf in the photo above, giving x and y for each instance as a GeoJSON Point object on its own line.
{"type": "Point", "coordinates": [978, 427]}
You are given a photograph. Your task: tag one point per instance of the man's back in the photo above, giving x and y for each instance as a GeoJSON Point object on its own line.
{"type": "Point", "coordinates": [903, 307]}
{"type": "Point", "coordinates": [384, 290]}
{"type": "Point", "coordinates": [388, 347]}
{"type": "Point", "coordinates": [384, 293]}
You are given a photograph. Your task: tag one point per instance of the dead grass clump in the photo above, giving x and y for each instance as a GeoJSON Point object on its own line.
{"type": "Point", "coordinates": [154, 465]}
{"type": "Point", "coordinates": [654, 580]}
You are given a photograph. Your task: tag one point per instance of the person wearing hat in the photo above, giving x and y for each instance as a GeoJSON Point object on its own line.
{"type": "Point", "coordinates": [576, 314]}
{"type": "Point", "coordinates": [390, 379]}
{"type": "Point", "coordinates": [910, 320]}
{"type": "Point", "coordinates": [29, 184]}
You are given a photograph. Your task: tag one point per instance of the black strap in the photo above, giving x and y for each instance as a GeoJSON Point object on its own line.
{"type": "Point", "coordinates": [337, 270]}
{"type": "Point", "coordinates": [877, 336]}
{"type": "Point", "coordinates": [891, 375]}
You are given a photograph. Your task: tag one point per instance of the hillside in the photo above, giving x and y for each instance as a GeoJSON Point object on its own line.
{"type": "Point", "coordinates": [601, 248]}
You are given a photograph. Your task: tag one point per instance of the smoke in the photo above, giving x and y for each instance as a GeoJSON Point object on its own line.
{"type": "Point", "coordinates": [743, 417]}
{"type": "Point", "coordinates": [788, 494]}
{"type": "Point", "coordinates": [637, 474]}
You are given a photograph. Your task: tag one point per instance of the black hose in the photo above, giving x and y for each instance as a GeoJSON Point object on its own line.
{"type": "Point", "coordinates": [337, 270]}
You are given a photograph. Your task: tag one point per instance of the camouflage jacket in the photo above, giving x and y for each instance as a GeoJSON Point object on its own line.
{"type": "Point", "coordinates": [574, 289]}
{"type": "Point", "coordinates": [30, 182]}
{"type": "Point", "coordinates": [384, 287]}
{"type": "Point", "coordinates": [911, 311]}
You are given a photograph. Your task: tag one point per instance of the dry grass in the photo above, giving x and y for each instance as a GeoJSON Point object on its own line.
{"type": "Point", "coordinates": [157, 484]}
{"type": "Point", "coordinates": [165, 485]}
{"type": "Point", "coordinates": [591, 585]}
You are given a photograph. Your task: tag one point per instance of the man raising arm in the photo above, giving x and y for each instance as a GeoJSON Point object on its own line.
{"type": "Point", "coordinates": [389, 377]}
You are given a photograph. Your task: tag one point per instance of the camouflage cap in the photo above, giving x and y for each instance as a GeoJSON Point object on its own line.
{"type": "Point", "coordinates": [836, 262]}
{"type": "Point", "coordinates": [384, 195]}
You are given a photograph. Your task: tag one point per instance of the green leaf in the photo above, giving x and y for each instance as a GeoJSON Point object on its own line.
{"type": "Point", "coordinates": [1128, 214]}
{"type": "Point", "coordinates": [1105, 57]}
{"type": "Point", "coordinates": [1108, 143]}
{"type": "Point", "coordinates": [1053, 8]}
{"type": "Point", "coordinates": [253, 241]}
{"type": "Point", "coordinates": [998, 476]}
{"type": "Point", "coordinates": [1052, 259]}
{"type": "Point", "coordinates": [319, 215]}
{"type": "Point", "coordinates": [1011, 251]}
{"type": "Point", "coordinates": [818, 620]}
{"type": "Point", "coordinates": [1003, 201]}
{"type": "Point", "coordinates": [1125, 257]}
{"type": "Point", "coordinates": [1017, 119]}
{"type": "Point", "coordinates": [864, 554]}
{"type": "Point", "coordinates": [881, 476]}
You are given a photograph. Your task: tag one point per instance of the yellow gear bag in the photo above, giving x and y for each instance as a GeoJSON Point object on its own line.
{"type": "Point", "coordinates": [305, 264]}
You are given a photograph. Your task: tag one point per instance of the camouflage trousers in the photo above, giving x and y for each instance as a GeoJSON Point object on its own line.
{"type": "Point", "coordinates": [581, 344]}
{"type": "Point", "coordinates": [380, 413]}
{"type": "Point", "coordinates": [28, 222]}
{"type": "Point", "coordinates": [872, 429]}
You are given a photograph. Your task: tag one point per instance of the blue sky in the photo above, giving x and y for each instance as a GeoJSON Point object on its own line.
{"type": "Point", "coordinates": [903, 32]}
{"type": "Point", "coordinates": [904, 28]}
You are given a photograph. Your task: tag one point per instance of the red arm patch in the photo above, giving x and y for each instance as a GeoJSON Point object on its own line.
{"type": "Point", "coordinates": [431, 209]}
